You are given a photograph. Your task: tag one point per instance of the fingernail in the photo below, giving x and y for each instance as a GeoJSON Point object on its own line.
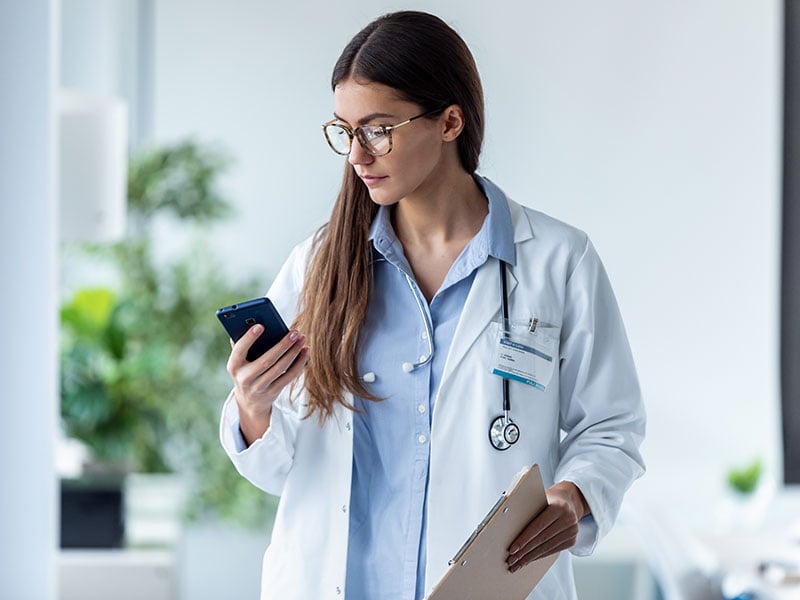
{"type": "Point", "coordinates": [257, 329]}
{"type": "Point", "coordinates": [293, 336]}
{"type": "Point", "coordinates": [514, 549]}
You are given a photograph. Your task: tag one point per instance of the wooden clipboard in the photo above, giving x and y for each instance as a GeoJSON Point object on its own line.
{"type": "Point", "coordinates": [479, 570]}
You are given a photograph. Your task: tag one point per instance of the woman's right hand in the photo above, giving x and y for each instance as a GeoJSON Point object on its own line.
{"type": "Point", "coordinates": [258, 383]}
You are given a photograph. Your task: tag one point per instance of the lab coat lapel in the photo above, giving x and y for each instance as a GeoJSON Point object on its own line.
{"type": "Point", "coordinates": [484, 300]}
{"type": "Point", "coordinates": [483, 306]}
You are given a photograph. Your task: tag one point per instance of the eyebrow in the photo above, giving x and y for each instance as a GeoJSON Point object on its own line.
{"type": "Point", "coordinates": [369, 117]}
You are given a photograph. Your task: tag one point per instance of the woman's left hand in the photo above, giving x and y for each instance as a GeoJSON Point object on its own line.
{"type": "Point", "coordinates": [553, 530]}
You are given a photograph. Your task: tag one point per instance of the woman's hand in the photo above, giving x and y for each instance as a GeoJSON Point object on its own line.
{"type": "Point", "coordinates": [258, 383]}
{"type": "Point", "coordinates": [553, 530]}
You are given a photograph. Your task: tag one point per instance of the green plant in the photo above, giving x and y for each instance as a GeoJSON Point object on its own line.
{"type": "Point", "coordinates": [744, 480]}
{"type": "Point", "coordinates": [143, 357]}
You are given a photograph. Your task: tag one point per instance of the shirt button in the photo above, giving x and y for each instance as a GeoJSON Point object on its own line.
{"type": "Point", "coordinates": [338, 590]}
{"type": "Point", "coordinates": [424, 335]}
{"type": "Point", "coordinates": [421, 408]}
{"type": "Point", "coordinates": [423, 358]}
{"type": "Point", "coordinates": [422, 439]}
{"type": "Point", "coordinates": [344, 508]}
{"type": "Point", "coordinates": [347, 426]}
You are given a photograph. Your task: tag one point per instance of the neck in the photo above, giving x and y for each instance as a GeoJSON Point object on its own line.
{"type": "Point", "coordinates": [452, 211]}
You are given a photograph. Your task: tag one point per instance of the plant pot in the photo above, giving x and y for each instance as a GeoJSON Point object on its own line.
{"type": "Point", "coordinates": [154, 507]}
{"type": "Point", "coordinates": [92, 512]}
{"type": "Point", "coordinates": [745, 512]}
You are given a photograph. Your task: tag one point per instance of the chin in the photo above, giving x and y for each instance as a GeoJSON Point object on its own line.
{"type": "Point", "coordinates": [383, 197]}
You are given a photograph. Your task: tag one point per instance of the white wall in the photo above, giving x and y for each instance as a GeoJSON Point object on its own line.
{"type": "Point", "coordinates": [28, 508]}
{"type": "Point", "coordinates": [653, 126]}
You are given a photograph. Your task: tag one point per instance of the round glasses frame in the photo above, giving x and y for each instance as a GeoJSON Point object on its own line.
{"type": "Point", "coordinates": [365, 134]}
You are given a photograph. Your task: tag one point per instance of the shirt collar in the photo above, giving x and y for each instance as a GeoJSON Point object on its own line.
{"type": "Point", "coordinates": [500, 229]}
{"type": "Point", "coordinates": [497, 232]}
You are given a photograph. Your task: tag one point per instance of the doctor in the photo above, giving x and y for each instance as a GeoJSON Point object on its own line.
{"type": "Point", "coordinates": [379, 419]}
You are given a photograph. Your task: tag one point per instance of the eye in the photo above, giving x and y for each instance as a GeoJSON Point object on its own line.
{"type": "Point", "coordinates": [373, 133]}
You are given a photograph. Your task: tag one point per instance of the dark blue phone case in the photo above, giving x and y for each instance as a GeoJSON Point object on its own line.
{"type": "Point", "coordinates": [238, 318]}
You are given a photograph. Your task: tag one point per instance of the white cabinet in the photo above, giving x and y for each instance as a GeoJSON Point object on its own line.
{"type": "Point", "coordinates": [118, 574]}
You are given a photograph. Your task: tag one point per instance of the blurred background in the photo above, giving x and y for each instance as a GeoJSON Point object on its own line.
{"type": "Point", "coordinates": [159, 159]}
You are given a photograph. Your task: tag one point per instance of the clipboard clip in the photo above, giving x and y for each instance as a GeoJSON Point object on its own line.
{"type": "Point", "coordinates": [478, 529]}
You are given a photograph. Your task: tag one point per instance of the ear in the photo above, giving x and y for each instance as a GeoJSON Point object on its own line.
{"type": "Point", "coordinates": [452, 119]}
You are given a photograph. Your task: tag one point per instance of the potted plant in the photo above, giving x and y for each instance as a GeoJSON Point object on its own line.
{"type": "Point", "coordinates": [744, 480]}
{"type": "Point", "coordinates": [748, 496]}
{"type": "Point", "coordinates": [142, 356]}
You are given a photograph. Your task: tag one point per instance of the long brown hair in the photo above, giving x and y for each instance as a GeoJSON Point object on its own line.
{"type": "Point", "coordinates": [426, 62]}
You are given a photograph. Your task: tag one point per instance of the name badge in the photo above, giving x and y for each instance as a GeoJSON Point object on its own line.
{"type": "Point", "coordinates": [526, 351]}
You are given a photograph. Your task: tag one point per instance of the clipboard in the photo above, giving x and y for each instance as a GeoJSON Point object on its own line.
{"type": "Point", "coordinates": [479, 570]}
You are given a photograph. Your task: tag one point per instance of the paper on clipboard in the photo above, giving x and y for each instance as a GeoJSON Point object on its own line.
{"type": "Point", "coordinates": [479, 570]}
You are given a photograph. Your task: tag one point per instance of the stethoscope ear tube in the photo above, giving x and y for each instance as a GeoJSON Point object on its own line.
{"type": "Point", "coordinates": [503, 432]}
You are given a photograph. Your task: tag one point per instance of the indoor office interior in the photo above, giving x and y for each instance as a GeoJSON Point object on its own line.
{"type": "Point", "coordinates": [160, 159]}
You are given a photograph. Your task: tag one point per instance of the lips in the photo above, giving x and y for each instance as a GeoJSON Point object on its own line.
{"type": "Point", "coordinates": [371, 180]}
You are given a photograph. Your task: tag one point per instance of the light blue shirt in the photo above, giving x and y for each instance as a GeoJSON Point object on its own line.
{"type": "Point", "coordinates": [391, 443]}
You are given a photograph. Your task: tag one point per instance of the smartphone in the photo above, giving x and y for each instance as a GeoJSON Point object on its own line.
{"type": "Point", "coordinates": [238, 318]}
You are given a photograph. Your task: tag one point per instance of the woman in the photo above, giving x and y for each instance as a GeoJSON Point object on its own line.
{"type": "Point", "coordinates": [381, 452]}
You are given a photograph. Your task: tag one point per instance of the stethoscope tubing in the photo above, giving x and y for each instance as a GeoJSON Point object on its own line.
{"type": "Point", "coordinates": [409, 366]}
{"type": "Point", "coordinates": [503, 432]}
{"type": "Point", "coordinates": [504, 285]}
{"type": "Point", "coordinates": [428, 332]}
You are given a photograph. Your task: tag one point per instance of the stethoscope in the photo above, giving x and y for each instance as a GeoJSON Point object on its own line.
{"type": "Point", "coordinates": [408, 367]}
{"type": "Point", "coordinates": [503, 432]}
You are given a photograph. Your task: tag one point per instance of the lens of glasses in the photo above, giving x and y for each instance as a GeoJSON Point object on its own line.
{"type": "Point", "coordinates": [375, 139]}
{"type": "Point", "coordinates": [338, 138]}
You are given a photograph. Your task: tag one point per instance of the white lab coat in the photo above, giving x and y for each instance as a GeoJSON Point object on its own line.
{"type": "Point", "coordinates": [586, 428]}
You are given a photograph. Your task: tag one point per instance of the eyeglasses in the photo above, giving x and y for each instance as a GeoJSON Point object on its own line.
{"type": "Point", "coordinates": [375, 139]}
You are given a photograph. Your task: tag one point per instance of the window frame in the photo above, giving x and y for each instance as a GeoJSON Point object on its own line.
{"type": "Point", "coordinates": [790, 248]}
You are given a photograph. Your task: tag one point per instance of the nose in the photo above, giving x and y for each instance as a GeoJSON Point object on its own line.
{"type": "Point", "coordinates": [358, 156]}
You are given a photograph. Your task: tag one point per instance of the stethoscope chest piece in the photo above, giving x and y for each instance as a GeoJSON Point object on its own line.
{"type": "Point", "coordinates": [503, 432]}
